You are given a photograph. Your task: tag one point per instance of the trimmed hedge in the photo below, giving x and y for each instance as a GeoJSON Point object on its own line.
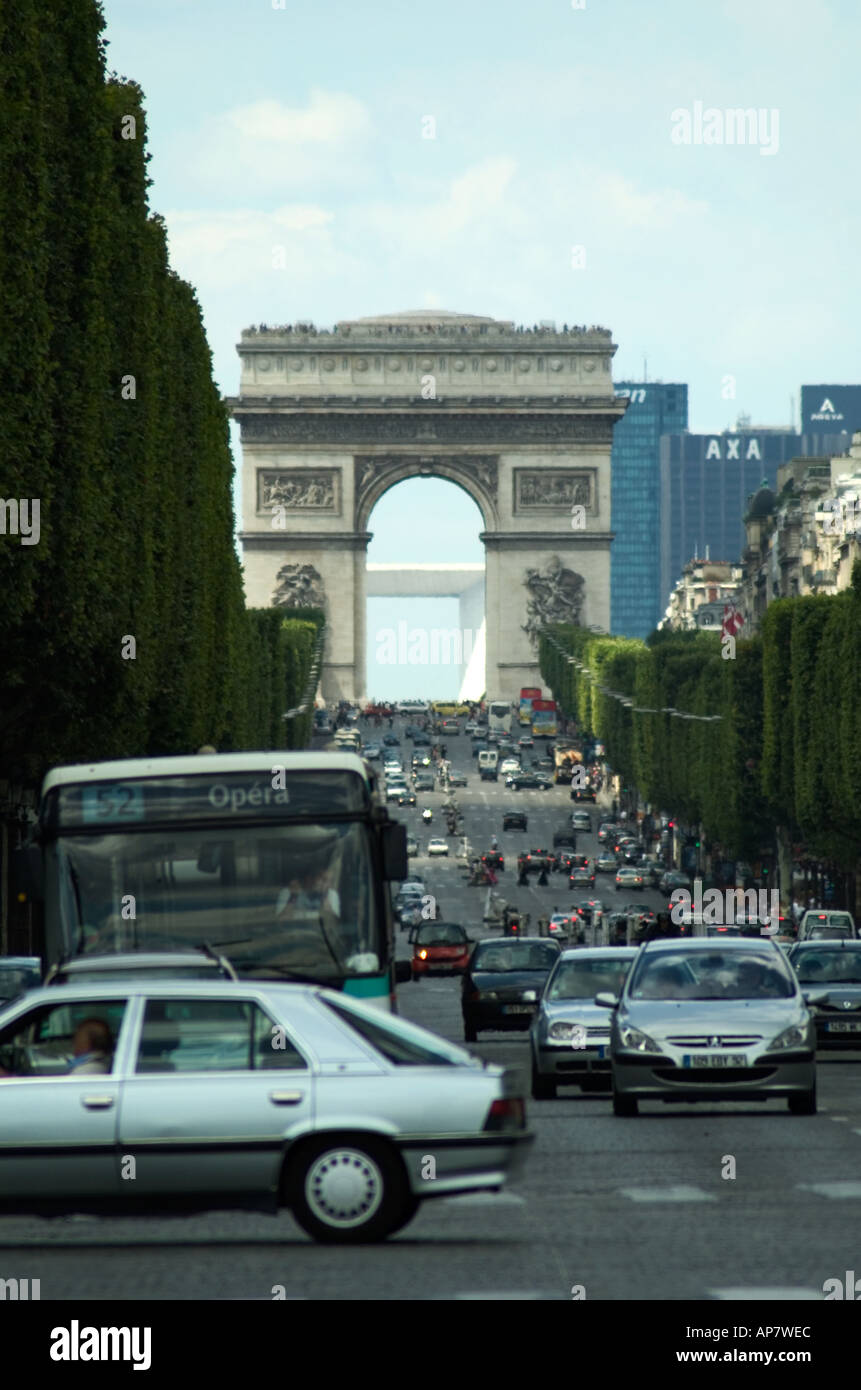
{"type": "Point", "coordinates": [112, 420]}
{"type": "Point", "coordinates": [785, 758]}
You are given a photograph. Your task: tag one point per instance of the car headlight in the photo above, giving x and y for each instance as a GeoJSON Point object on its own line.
{"type": "Point", "coordinates": [796, 1036]}
{"type": "Point", "coordinates": [565, 1032]}
{"type": "Point", "coordinates": [528, 996]}
{"type": "Point", "coordinates": [636, 1041]}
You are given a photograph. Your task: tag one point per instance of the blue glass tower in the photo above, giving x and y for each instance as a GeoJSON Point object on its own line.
{"type": "Point", "coordinates": [655, 408]}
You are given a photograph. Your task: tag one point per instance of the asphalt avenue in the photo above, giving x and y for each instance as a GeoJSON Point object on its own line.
{"type": "Point", "coordinates": [628, 1209]}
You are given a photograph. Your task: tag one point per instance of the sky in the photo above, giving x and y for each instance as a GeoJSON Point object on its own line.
{"type": "Point", "coordinates": [302, 124]}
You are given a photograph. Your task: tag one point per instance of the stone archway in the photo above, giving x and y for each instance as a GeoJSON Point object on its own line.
{"type": "Point", "coordinates": [521, 420]}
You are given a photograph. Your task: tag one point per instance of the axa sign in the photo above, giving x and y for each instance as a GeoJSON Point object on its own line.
{"type": "Point", "coordinates": [733, 446]}
{"type": "Point", "coordinates": [827, 412]}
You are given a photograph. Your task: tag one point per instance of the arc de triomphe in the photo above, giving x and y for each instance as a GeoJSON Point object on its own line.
{"type": "Point", "coordinates": [521, 419]}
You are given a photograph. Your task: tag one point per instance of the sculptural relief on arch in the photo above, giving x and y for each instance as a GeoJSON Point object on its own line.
{"type": "Point", "coordinates": [521, 420]}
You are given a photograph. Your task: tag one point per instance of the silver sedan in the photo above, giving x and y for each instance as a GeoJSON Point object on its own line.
{"type": "Point", "coordinates": [136, 1094]}
{"type": "Point", "coordinates": [698, 1020]}
{"type": "Point", "coordinates": [570, 1033]}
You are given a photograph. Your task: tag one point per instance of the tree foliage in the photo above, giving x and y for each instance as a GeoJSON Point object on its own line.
{"type": "Point", "coordinates": [112, 421]}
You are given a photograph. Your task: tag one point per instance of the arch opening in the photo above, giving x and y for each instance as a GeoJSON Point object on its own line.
{"type": "Point", "coordinates": [425, 592]}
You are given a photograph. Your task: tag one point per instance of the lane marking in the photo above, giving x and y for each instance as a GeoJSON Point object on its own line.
{"type": "Point", "coordinates": [680, 1193]}
{"type": "Point", "coordinates": [837, 1191]}
{"type": "Point", "coordinates": [485, 1199]}
{"type": "Point", "coordinates": [766, 1295]}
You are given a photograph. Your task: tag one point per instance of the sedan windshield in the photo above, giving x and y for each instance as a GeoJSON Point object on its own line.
{"type": "Point", "coordinates": [711, 975]}
{"type": "Point", "coordinates": [520, 955]}
{"type": "Point", "coordinates": [831, 967]}
{"type": "Point", "coordinates": [441, 934]}
{"type": "Point", "coordinates": [583, 979]}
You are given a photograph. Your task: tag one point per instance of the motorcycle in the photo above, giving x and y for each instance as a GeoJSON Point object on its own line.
{"type": "Point", "coordinates": [427, 815]}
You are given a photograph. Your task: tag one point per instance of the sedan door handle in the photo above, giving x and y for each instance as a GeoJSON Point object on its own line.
{"type": "Point", "coordinates": [286, 1097]}
{"type": "Point", "coordinates": [97, 1102]}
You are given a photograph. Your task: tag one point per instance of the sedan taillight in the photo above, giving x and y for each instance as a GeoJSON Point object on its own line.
{"type": "Point", "coordinates": [506, 1114]}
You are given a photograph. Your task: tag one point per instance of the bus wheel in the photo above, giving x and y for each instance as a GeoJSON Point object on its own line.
{"type": "Point", "coordinates": [350, 1191]}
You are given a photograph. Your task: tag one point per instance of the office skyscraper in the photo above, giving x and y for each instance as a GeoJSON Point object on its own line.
{"type": "Point", "coordinates": [655, 408]}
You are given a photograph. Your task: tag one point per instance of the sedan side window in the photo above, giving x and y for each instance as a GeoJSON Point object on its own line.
{"type": "Point", "coordinates": [63, 1039]}
{"type": "Point", "coordinates": [209, 1035]}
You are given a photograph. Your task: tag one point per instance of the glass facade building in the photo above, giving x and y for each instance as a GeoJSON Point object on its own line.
{"type": "Point", "coordinates": [655, 408]}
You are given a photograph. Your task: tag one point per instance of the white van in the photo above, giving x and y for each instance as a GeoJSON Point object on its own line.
{"type": "Point", "coordinates": [826, 924]}
{"type": "Point", "coordinates": [488, 764]}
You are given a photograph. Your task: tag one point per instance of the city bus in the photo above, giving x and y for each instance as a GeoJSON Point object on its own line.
{"type": "Point", "coordinates": [499, 717]}
{"type": "Point", "coordinates": [544, 718]}
{"type": "Point", "coordinates": [528, 693]}
{"type": "Point", "coordinates": [278, 861]}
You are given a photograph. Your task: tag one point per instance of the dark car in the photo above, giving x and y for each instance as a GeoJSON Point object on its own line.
{"type": "Point", "coordinates": [514, 820]}
{"type": "Point", "coordinates": [583, 794]}
{"type": "Point", "coordinates": [440, 948]}
{"type": "Point", "coordinates": [534, 861]}
{"type": "Point", "coordinates": [391, 741]}
{"type": "Point", "coordinates": [458, 779]}
{"type": "Point", "coordinates": [832, 968]}
{"type": "Point", "coordinates": [528, 781]}
{"type": "Point", "coordinates": [504, 982]}
{"type": "Point", "coordinates": [494, 859]}
{"type": "Point", "coordinates": [407, 798]}
{"type": "Point", "coordinates": [423, 781]}
{"type": "Point", "coordinates": [581, 876]}
{"type": "Point", "coordinates": [421, 740]}
{"type": "Point", "coordinates": [565, 836]}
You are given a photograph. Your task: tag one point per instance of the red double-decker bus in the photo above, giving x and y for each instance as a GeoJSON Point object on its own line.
{"type": "Point", "coordinates": [544, 718]}
{"type": "Point", "coordinates": [528, 693]}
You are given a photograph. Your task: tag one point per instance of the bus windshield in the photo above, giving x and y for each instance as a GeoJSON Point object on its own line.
{"type": "Point", "coordinates": [277, 900]}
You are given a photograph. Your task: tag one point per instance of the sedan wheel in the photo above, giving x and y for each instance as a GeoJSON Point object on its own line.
{"type": "Point", "coordinates": [803, 1103]}
{"type": "Point", "coordinates": [351, 1192]}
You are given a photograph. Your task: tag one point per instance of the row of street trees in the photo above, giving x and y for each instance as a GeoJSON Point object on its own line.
{"type": "Point", "coordinates": [123, 626]}
{"type": "Point", "coordinates": [780, 766]}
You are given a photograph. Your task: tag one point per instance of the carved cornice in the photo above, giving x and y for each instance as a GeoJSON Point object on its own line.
{"type": "Point", "coordinates": [248, 407]}
{"type": "Point", "coordinates": [320, 540]}
{"type": "Point", "coordinates": [469, 427]}
{"type": "Point", "coordinates": [533, 540]}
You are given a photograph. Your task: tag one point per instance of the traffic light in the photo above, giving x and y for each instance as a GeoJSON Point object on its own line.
{"type": "Point", "coordinates": [672, 825]}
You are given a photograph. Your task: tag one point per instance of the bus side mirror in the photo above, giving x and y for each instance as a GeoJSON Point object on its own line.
{"type": "Point", "coordinates": [394, 844]}
{"type": "Point", "coordinates": [28, 875]}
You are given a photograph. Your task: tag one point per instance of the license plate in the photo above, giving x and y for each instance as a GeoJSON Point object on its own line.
{"type": "Point", "coordinates": [844, 1027]}
{"type": "Point", "coordinates": [715, 1059]}
{"type": "Point", "coordinates": [518, 1008]}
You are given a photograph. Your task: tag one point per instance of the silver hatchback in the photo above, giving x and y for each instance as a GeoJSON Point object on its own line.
{"type": "Point", "coordinates": [570, 1034]}
{"type": "Point", "coordinates": [702, 1020]}
{"type": "Point", "coordinates": [234, 1095]}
